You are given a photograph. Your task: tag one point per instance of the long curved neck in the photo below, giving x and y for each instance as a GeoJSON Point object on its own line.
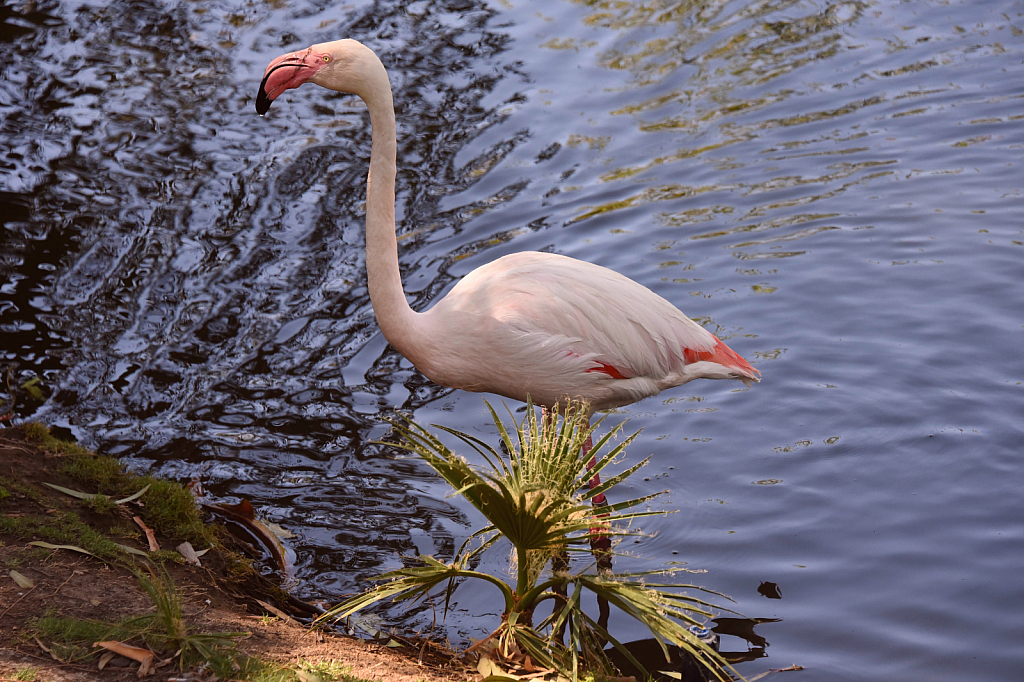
{"type": "Point", "coordinates": [395, 317]}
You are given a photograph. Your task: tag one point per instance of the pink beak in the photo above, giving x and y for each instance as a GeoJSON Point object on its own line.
{"type": "Point", "coordinates": [286, 72]}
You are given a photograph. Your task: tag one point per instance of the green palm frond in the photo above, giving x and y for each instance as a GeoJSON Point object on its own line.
{"type": "Point", "coordinates": [537, 496]}
{"type": "Point", "coordinates": [666, 614]}
{"type": "Point", "coordinates": [534, 498]}
{"type": "Point", "coordinates": [409, 583]}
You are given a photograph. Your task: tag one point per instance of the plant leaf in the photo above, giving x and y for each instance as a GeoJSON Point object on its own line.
{"type": "Point", "coordinates": [132, 550]}
{"type": "Point", "coordinates": [22, 581]}
{"type": "Point", "coordinates": [32, 386]}
{"type": "Point", "coordinates": [73, 493]}
{"type": "Point", "coordinates": [145, 657]}
{"type": "Point", "coordinates": [133, 497]}
{"type": "Point", "coordinates": [73, 548]}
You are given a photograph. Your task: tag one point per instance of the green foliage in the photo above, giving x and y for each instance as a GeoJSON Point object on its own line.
{"type": "Point", "coordinates": [14, 486]}
{"type": "Point", "coordinates": [96, 471]}
{"type": "Point", "coordinates": [326, 670]}
{"type": "Point", "coordinates": [101, 504]}
{"type": "Point", "coordinates": [169, 631]}
{"type": "Point", "coordinates": [253, 669]}
{"type": "Point", "coordinates": [169, 507]}
{"type": "Point", "coordinates": [71, 639]}
{"type": "Point", "coordinates": [64, 528]}
{"type": "Point", "coordinates": [167, 599]}
{"type": "Point", "coordinates": [41, 437]}
{"type": "Point", "coordinates": [540, 501]}
{"type": "Point", "coordinates": [28, 673]}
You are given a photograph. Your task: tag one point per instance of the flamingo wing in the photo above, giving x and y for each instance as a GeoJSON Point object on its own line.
{"type": "Point", "coordinates": [571, 326]}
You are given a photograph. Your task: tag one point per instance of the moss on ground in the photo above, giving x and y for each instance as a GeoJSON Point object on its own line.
{"type": "Point", "coordinates": [170, 509]}
{"type": "Point", "coordinates": [11, 485]}
{"type": "Point", "coordinates": [41, 437]}
{"type": "Point", "coordinates": [64, 528]}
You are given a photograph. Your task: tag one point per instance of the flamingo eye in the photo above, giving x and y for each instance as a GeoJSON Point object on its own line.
{"type": "Point", "coordinates": [326, 58]}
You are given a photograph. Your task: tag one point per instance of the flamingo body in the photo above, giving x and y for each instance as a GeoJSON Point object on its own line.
{"type": "Point", "coordinates": [528, 324]}
{"type": "Point", "coordinates": [555, 327]}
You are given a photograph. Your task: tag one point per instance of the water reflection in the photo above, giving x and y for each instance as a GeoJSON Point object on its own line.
{"type": "Point", "coordinates": [679, 665]}
{"type": "Point", "coordinates": [742, 628]}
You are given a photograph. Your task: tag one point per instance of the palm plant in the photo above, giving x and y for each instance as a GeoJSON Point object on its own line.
{"type": "Point", "coordinates": [539, 500]}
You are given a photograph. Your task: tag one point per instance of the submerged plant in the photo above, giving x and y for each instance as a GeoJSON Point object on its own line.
{"type": "Point", "coordinates": [540, 501]}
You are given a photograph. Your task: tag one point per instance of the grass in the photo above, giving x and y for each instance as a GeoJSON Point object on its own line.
{"type": "Point", "coordinates": [27, 674]}
{"type": "Point", "coordinates": [254, 669]}
{"type": "Point", "coordinates": [40, 436]}
{"type": "Point", "coordinates": [15, 487]}
{"type": "Point", "coordinates": [170, 508]}
{"type": "Point", "coordinates": [64, 528]}
{"type": "Point", "coordinates": [170, 630]}
{"type": "Point", "coordinates": [165, 630]}
{"type": "Point", "coordinates": [71, 639]}
{"type": "Point", "coordinates": [327, 670]}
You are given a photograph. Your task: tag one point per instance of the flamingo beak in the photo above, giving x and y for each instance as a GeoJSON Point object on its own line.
{"type": "Point", "coordinates": [284, 73]}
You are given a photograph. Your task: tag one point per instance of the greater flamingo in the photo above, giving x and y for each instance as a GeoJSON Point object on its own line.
{"type": "Point", "coordinates": [528, 324]}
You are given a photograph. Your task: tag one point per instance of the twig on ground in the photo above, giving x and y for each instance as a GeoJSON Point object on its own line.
{"type": "Point", "coordinates": [19, 599]}
{"type": "Point", "coordinates": [74, 570]}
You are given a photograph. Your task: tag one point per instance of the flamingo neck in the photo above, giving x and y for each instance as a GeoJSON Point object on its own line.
{"type": "Point", "coordinates": [395, 317]}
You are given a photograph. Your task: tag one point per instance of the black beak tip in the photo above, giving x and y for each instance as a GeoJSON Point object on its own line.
{"type": "Point", "coordinates": [263, 102]}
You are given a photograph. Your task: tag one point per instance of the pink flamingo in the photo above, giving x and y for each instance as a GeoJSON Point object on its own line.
{"type": "Point", "coordinates": [528, 324]}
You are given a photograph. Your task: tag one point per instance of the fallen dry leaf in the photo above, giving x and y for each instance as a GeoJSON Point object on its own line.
{"type": "Point", "coordinates": [73, 493]}
{"type": "Point", "coordinates": [145, 657]}
{"type": "Point", "coordinates": [21, 580]}
{"type": "Point", "coordinates": [43, 647]}
{"type": "Point", "coordinates": [244, 514]}
{"type": "Point", "coordinates": [132, 498]}
{"type": "Point", "coordinates": [277, 612]}
{"type": "Point", "coordinates": [132, 550]}
{"type": "Point", "coordinates": [154, 546]}
{"type": "Point", "coordinates": [280, 532]}
{"type": "Point", "coordinates": [186, 550]}
{"type": "Point", "coordinates": [766, 673]}
{"type": "Point", "coordinates": [105, 658]}
{"type": "Point", "coordinates": [48, 545]}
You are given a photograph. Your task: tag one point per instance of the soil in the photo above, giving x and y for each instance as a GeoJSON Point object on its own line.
{"type": "Point", "coordinates": [217, 597]}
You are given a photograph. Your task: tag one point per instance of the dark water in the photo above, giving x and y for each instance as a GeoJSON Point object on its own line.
{"type": "Point", "coordinates": [835, 188]}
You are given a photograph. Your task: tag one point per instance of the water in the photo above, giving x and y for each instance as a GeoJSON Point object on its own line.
{"type": "Point", "coordinates": [834, 188]}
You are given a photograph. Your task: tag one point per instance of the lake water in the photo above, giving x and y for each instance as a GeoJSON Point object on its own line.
{"type": "Point", "coordinates": [834, 188]}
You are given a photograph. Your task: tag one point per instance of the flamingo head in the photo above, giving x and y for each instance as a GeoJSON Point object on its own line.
{"type": "Point", "coordinates": [339, 65]}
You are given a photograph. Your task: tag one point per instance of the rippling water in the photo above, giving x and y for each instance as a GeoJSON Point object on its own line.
{"type": "Point", "coordinates": [836, 188]}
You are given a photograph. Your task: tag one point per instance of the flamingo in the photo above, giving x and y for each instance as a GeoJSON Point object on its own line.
{"type": "Point", "coordinates": [527, 324]}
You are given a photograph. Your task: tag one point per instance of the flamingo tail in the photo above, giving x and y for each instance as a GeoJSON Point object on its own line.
{"type": "Point", "coordinates": [725, 356]}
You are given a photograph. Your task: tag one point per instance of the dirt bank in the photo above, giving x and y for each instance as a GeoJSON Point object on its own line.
{"type": "Point", "coordinates": [45, 593]}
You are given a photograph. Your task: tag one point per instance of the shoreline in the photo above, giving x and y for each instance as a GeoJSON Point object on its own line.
{"type": "Point", "coordinates": [93, 581]}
